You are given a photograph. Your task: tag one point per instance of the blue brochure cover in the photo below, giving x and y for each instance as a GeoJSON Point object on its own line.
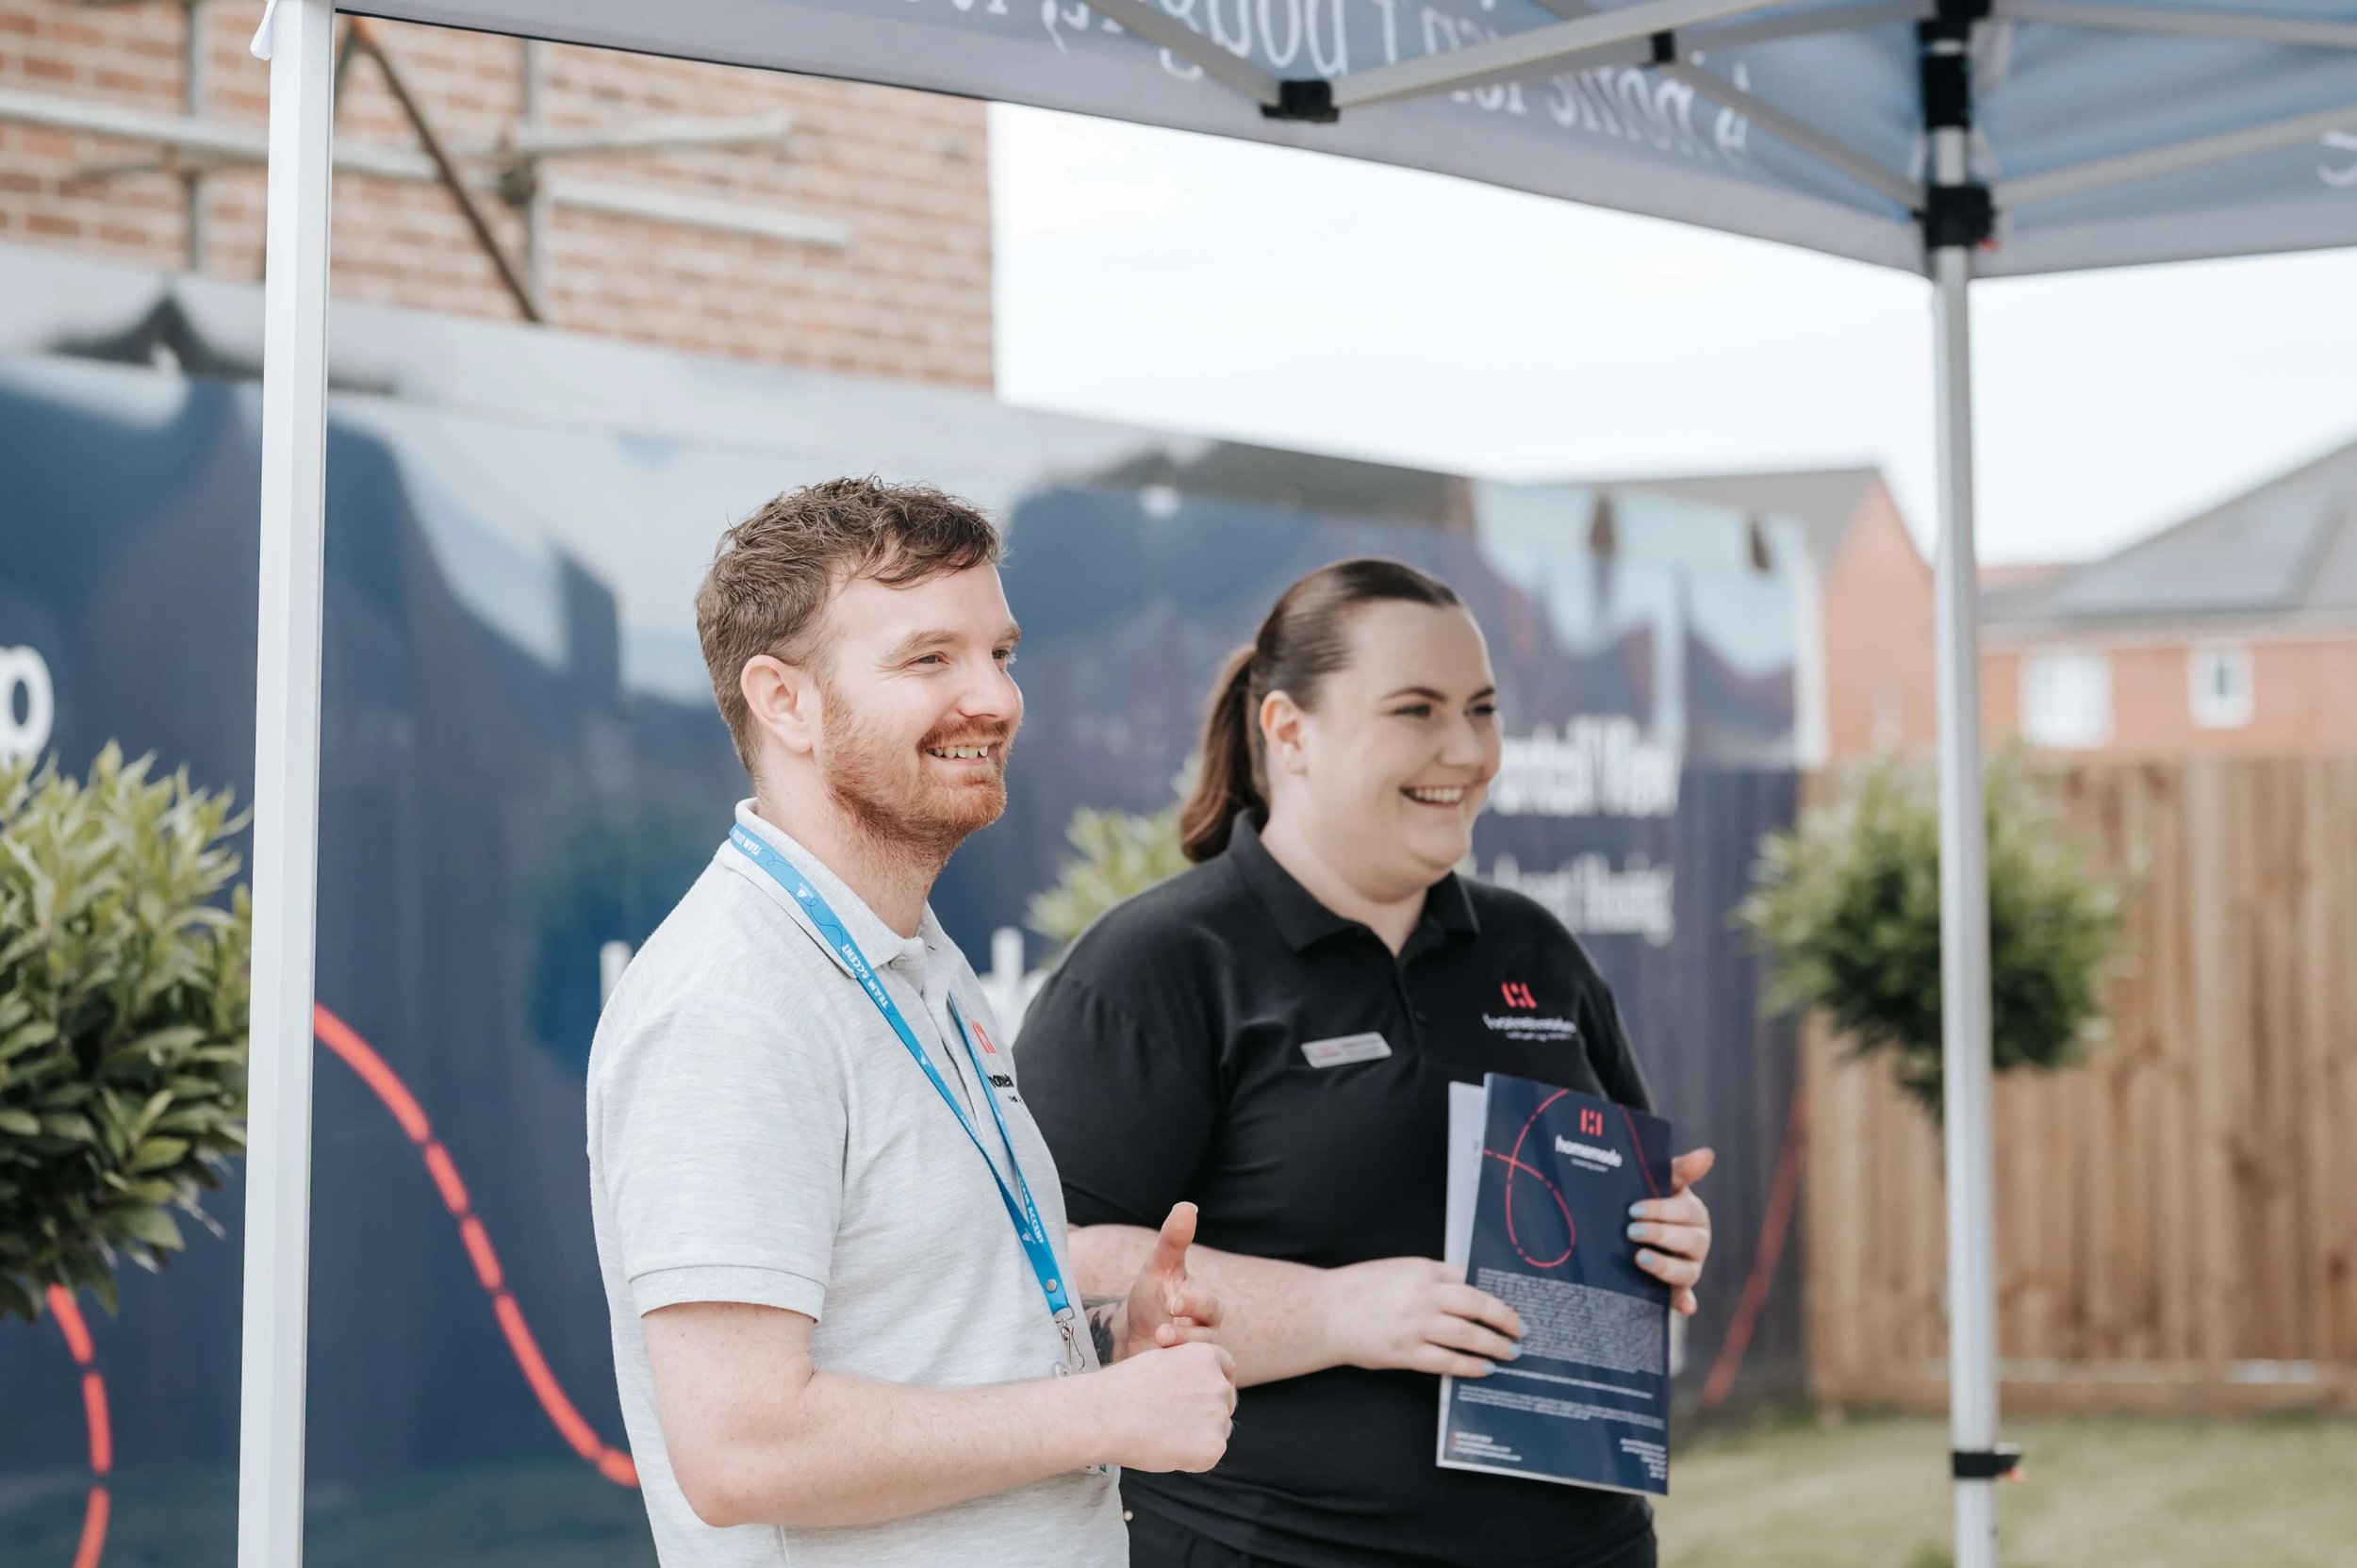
{"type": "Point", "coordinates": [1588, 1401]}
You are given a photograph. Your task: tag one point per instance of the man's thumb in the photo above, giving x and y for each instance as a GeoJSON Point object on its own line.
{"type": "Point", "coordinates": [1170, 1249]}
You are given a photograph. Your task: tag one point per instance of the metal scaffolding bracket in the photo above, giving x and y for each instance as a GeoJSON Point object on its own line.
{"type": "Point", "coordinates": [362, 32]}
{"type": "Point", "coordinates": [513, 167]}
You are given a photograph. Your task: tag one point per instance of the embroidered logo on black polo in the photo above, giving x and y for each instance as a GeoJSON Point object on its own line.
{"type": "Point", "coordinates": [1530, 1026]}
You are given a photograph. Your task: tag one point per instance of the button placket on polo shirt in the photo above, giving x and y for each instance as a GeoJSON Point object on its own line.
{"type": "Point", "coordinates": [1405, 1012]}
{"type": "Point", "coordinates": [1423, 943]}
{"type": "Point", "coordinates": [940, 1042]}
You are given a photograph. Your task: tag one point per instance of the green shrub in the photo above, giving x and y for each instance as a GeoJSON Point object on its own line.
{"type": "Point", "coordinates": [1117, 855]}
{"type": "Point", "coordinates": [1847, 906]}
{"type": "Point", "coordinates": [122, 1021]}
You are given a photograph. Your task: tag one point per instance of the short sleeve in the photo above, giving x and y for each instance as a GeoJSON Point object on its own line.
{"type": "Point", "coordinates": [1127, 1110]}
{"type": "Point", "coordinates": [723, 1157]}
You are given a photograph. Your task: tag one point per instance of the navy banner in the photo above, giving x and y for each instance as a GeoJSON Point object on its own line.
{"type": "Point", "coordinates": [522, 767]}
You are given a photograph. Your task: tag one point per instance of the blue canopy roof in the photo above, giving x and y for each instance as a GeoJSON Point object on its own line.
{"type": "Point", "coordinates": [2120, 132]}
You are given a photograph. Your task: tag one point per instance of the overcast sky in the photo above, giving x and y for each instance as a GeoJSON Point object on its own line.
{"type": "Point", "coordinates": [1223, 287]}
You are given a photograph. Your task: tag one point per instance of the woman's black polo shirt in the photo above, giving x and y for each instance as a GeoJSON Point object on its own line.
{"type": "Point", "coordinates": [1163, 1059]}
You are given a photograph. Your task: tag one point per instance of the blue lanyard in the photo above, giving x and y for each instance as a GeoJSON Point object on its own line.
{"type": "Point", "coordinates": [1021, 1210]}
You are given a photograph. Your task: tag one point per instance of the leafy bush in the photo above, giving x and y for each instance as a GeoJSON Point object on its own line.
{"type": "Point", "coordinates": [1118, 855]}
{"type": "Point", "coordinates": [1847, 905]}
{"type": "Point", "coordinates": [122, 1021]}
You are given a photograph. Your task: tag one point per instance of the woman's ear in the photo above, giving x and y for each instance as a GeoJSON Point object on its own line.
{"type": "Point", "coordinates": [1281, 721]}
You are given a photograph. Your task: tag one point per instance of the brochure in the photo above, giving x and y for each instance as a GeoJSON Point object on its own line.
{"type": "Point", "coordinates": [1541, 1181]}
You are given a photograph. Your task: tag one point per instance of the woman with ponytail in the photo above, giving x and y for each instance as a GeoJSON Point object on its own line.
{"type": "Point", "coordinates": [1273, 1034]}
{"type": "Point", "coordinates": [1225, 784]}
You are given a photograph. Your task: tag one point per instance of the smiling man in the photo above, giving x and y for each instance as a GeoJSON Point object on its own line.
{"type": "Point", "coordinates": [833, 1240]}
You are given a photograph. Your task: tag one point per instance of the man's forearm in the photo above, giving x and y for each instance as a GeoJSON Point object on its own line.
{"type": "Point", "coordinates": [1108, 1320]}
{"type": "Point", "coordinates": [856, 1452]}
{"type": "Point", "coordinates": [1273, 1315]}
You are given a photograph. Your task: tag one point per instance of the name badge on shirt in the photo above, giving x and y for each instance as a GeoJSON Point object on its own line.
{"type": "Point", "coordinates": [1345, 1049]}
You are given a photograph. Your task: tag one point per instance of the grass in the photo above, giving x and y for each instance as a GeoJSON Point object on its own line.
{"type": "Point", "coordinates": [2109, 1492]}
{"type": "Point", "coordinates": [2104, 1491]}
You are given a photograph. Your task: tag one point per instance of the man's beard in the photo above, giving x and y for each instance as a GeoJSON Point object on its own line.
{"type": "Point", "coordinates": [887, 793]}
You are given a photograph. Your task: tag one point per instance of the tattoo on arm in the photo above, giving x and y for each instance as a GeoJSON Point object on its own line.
{"type": "Point", "coordinates": [1107, 1317]}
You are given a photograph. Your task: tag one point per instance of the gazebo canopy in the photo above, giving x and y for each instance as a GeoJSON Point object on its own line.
{"type": "Point", "coordinates": [2110, 133]}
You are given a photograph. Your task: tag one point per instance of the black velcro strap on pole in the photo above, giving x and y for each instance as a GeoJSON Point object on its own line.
{"type": "Point", "coordinates": [1947, 78]}
{"type": "Point", "coordinates": [1986, 1464]}
{"type": "Point", "coordinates": [1958, 215]}
{"type": "Point", "coordinates": [1309, 101]}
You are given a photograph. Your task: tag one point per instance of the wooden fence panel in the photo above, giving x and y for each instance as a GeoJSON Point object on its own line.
{"type": "Point", "coordinates": [2177, 1218]}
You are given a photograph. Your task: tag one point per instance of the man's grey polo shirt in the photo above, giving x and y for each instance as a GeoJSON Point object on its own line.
{"type": "Point", "coordinates": [758, 1133]}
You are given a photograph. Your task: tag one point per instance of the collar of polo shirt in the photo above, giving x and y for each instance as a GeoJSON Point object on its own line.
{"type": "Point", "coordinates": [1301, 920]}
{"type": "Point", "coordinates": [882, 946]}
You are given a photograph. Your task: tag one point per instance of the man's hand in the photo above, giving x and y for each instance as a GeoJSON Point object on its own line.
{"type": "Point", "coordinates": [1417, 1313]}
{"type": "Point", "coordinates": [1673, 1232]}
{"type": "Point", "coordinates": [758, 1435]}
{"type": "Point", "coordinates": [1166, 1409]}
{"type": "Point", "coordinates": [1165, 1308]}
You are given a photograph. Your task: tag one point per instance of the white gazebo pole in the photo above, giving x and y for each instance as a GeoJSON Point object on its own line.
{"type": "Point", "coordinates": [298, 39]}
{"type": "Point", "coordinates": [1964, 938]}
{"type": "Point", "coordinates": [1957, 216]}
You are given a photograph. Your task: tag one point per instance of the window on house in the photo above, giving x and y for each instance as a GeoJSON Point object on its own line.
{"type": "Point", "coordinates": [2218, 676]}
{"type": "Point", "coordinates": [2067, 697]}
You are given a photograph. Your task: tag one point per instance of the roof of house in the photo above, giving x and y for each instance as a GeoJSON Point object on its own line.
{"type": "Point", "coordinates": [2009, 583]}
{"type": "Point", "coordinates": [2284, 554]}
{"type": "Point", "coordinates": [1824, 502]}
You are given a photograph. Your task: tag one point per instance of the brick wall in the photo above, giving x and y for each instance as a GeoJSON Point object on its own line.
{"type": "Point", "coordinates": [909, 296]}
{"type": "Point", "coordinates": [1877, 606]}
{"type": "Point", "coordinates": [2303, 695]}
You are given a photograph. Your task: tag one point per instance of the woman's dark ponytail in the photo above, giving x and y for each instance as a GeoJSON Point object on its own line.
{"type": "Point", "coordinates": [1230, 782]}
{"type": "Point", "coordinates": [1305, 638]}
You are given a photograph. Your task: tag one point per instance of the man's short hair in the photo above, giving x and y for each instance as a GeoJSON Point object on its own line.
{"type": "Point", "coordinates": [767, 588]}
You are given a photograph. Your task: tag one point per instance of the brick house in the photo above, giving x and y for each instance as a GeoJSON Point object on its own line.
{"type": "Point", "coordinates": [2233, 631]}
{"type": "Point", "coordinates": [1873, 594]}
{"type": "Point", "coordinates": [786, 218]}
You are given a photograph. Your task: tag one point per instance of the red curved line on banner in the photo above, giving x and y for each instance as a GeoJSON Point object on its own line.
{"type": "Point", "coordinates": [101, 1446]}
{"type": "Point", "coordinates": [338, 1037]}
{"type": "Point", "coordinates": [1772, 1233]}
